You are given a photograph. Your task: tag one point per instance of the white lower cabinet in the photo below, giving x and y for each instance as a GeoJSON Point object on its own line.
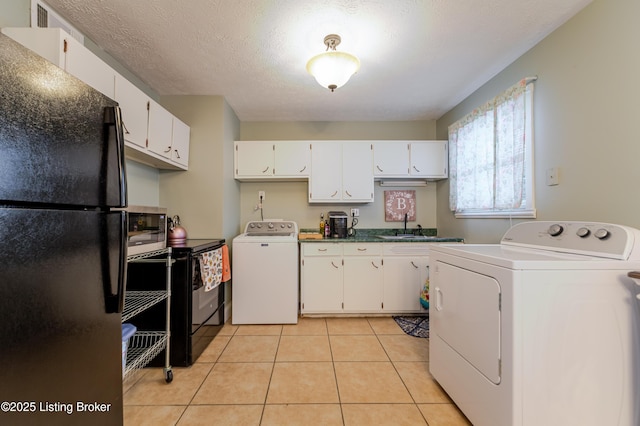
{"type": "Point", "coordinates": [362, 277]}
{"type": "Point", "coordinates": [321, 274]}
{"type": "Point", "coordinates": [406, 268]}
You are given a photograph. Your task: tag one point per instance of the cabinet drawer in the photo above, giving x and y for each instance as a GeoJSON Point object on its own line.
{"type": "Point", "coordinates": [356, 249]}
{"type": "Point", "coordinates": [322, 249]}
{"type": "Point", "coordinates": [406, 249]}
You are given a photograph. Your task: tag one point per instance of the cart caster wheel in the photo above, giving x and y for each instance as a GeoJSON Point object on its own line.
{"type": "Point", "coordinates": [168, 376]}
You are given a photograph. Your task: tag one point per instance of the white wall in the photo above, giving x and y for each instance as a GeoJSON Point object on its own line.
{"type": "Point", "coordinates": [586, 111]}
{"type": "Point", "coordinates": [289, 200]}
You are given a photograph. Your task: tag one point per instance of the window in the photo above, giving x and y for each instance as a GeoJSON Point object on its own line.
{"type": "Point", "coordinates": [491, 157]}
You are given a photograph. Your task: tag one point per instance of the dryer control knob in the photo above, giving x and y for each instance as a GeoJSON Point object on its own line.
{"type": "Point", "coordinates": [583, 232]}
{"type": "Point", "coordinates": [602, 234]}
{"type": "Point", "coordinates": [555, 230]}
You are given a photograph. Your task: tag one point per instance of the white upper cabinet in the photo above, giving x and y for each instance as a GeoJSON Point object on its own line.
{"type": "Point", "coordinates": [180, 142]}
{"type": "Point", "coordinates": [69, 54]}
{"type": "Point", "coordinates": [429, 159]}
{"type": "Point", "coordinates": [341, 171]}
{"type": "Point", "coordinates": [410, 159]}
{"type": "Point", "coordinates": [292, 159]}
{"type": "Point", "coordinates": [254, 159]}
{"type": "Point", "coordinates": [275, 160]}
{"type": "Point", "coordinates": [391, 159]}
{"type": "Point", "coordinates": [160, 130]}
{"type": "Point", "coordinates": [134, 105]}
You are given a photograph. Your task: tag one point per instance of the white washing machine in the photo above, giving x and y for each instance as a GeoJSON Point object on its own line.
{"type": "Point", "coordinates": [541, 329]}
{"type": "Point", "coordinates": [264, 267]}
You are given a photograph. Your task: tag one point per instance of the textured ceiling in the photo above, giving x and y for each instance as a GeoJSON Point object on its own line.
{"type": "Point", "coordinates": [419, 57]}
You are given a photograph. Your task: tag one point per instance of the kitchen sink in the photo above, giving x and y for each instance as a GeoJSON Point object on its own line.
{"type": "Point", "coordinates": [406, 237]}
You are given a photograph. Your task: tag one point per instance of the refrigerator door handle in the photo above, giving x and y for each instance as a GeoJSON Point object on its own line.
{"type": "Point", "coordinates": [113, 119]}
{"type": "Point", "coordinates": [115, 281]}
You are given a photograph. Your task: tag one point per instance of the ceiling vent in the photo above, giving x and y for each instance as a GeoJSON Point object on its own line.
{"type": "Point", "coordinates": [43, 16]}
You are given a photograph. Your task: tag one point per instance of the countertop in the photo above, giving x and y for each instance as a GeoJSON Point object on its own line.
{"type": "Point", "coordinates": [372, 236]}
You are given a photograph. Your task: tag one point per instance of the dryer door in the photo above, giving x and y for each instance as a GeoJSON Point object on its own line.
{"type": "Point", "coordinates": [465, 310]}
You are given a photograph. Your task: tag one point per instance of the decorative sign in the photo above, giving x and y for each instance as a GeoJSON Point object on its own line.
{"type": "Point", "coordinates": [399, 203]}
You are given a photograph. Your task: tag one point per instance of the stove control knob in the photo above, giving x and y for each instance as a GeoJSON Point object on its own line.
{"type": "Point", "coordinates": [583, 232]}
{"type": "Point", "coordinates": [555, 230]}
{"type": "Point", "coordinates": [289, 225]}
{"type": "Point", "coordinates": [602, 234]}
{"type": "Point", "coordinates": [259, 225]}
{"type": "Point", "coordinates": [270, 225]}
{"type": "Point", "coordinates": [252, 225]}
{"type": "Point", "coordinates": [282, 225]}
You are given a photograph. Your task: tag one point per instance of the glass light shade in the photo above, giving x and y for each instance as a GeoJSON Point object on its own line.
{"type": "Point", "coordinates": [333, 69]}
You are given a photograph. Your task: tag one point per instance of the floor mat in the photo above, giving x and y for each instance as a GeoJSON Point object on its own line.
{"type": "Point", "coordinates": [414, 326]}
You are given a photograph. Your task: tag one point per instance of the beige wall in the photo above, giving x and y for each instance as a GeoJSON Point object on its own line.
{"type": "Point", "coordinates": [206, 197]}
{"type": "Point", "coordinates": [585, 113]}
{"type": "Point", "coordinates": [289, 200]}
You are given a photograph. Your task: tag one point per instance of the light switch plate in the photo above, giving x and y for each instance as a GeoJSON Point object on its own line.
{"type": "Point", "coordinates": [552, 176]}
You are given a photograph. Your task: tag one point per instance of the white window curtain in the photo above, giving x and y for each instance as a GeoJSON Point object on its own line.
{"type": "Point", "coordinates": [487, 153]}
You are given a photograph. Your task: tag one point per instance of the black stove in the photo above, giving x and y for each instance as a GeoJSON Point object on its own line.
{"type": "Point", "coordinates": [196, 315]}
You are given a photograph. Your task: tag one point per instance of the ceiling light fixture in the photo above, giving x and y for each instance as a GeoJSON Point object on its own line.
{"type": "Point", "coordinates": [332, 69]}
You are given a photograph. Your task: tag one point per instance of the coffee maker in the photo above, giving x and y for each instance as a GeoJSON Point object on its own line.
{"type": "Point", "coordinates": [338, 224]}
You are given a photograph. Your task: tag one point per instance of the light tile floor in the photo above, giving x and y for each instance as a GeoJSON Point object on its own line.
{"type": "Point", "coordinates": [321, 371]}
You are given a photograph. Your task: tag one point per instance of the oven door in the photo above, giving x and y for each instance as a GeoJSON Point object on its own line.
{"type": "Point", "coordinates": [205, 305]}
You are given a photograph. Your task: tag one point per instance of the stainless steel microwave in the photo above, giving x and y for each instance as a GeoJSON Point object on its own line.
{"type": "Point", "coordinates": [147, 229]}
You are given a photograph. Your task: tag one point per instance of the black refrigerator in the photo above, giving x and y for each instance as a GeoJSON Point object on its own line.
{"type": "Point", "coordinates": [62, 246]}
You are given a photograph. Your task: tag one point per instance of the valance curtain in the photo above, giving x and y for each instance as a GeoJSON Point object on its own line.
{"type": "Point", "coordinates": [487, 153]}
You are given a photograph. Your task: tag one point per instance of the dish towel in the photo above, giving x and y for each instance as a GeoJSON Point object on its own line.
{"type": "Point", "coordinates": [226, 266]}
{"type": "Point", "coordinates": [211, 269]}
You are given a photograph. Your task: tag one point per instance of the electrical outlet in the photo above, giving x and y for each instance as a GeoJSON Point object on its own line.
{"type": "Point", "coordinates": [261, 195]}
{"type": "Point", "coordinates": [355, 212]}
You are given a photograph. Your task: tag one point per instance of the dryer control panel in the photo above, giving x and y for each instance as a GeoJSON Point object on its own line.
{"type": "Point", "coordinates": [587, 238]}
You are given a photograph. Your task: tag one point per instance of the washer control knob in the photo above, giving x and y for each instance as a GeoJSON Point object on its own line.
{"type": "Point", "coordinates": [602, 234]}
{"type": "Point", "coordinates": [555, 230]}
{"type": "Point", "coordinates": [583, 232]}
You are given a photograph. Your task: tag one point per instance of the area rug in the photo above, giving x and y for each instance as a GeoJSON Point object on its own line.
{"type": "Point", "coordinates": [414, 326]}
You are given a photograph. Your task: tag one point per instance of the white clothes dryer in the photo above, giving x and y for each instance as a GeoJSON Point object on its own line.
{"type": "Point", "coordinates": [541, 329]}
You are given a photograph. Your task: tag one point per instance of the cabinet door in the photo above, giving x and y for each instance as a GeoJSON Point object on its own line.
{"type": "Point", "coordinates": [292, 159]}
{"type": "Point", "coordinates": [321, 284]}
{"type": "Point", "coordinates": [357, 171]}
{"type": "Point", "coordinates": [135, 111]}
{"type": "Point", "coordinates": [180, 142]}
{"type": "Point", "coordinates": [391, 159]}
{"type": "Point", "coordinates": [254, 159]}
{"type": "Point", "coordinates": [160, 130]}
{"type": "Point", "coordinates": [429, 159]}
{"type": "Point", "coordinates": [325, 182]}
{"type": "Point", "coordinates": [363, 283]}
{"type": "Point", "coordinates": [404, 277]}
{"type": "Point", "coordinates": [85, 65]}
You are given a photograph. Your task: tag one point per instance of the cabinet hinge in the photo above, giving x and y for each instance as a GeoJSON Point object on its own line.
{"type": "Point", "coordinates": [382, 305]}
{"type": "Point", "coordinates": [273, 147]}
{"type": "Point", "coordinates": [236, 148]}
{"type": "Point", "coordinates": [146, 143]}
{"type": "Point", "coordinates": [302, 262]}
{"type": "Point", "coordinates": [499, 367]}
{"type": "Point", "coordinates": [65, 46]}
{"type": "Point", "coordinates": [500, 302]}
{"type": "Point", "coordinates": [148, 105]}
{"type": "Point", "coordinates": [342, 305]}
